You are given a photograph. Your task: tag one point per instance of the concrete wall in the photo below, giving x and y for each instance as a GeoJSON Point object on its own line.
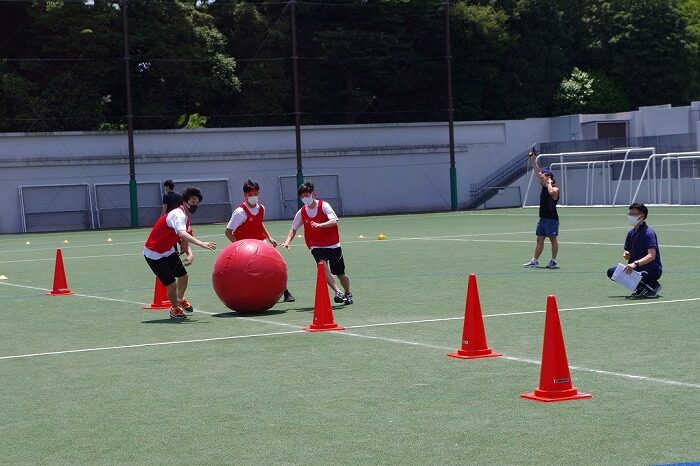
{"type": "Point", "coordinates": [381, 168]}
{"type": "Point", "coordinates": [654, 120]}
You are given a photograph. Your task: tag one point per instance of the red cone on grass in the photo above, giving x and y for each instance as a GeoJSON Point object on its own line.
{"type": "Point", "coordinates": [160, 297]}
{"type": "Point", "coordinates": [323, 313]}
{"type": "Point", "coordinates": [555, 379]}
{"type": "Point", "coordinates": [60, 285]}
{"type": "Point", "coordinates": [473, 335]}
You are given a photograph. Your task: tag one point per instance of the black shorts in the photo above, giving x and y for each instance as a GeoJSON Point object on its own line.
{"type": "Point", "coordinates": [167, 268]}
{"type": "Point", "coordinates": [333, 256]}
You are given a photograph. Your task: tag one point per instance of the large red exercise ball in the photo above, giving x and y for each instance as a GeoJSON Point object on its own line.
{"type": "Point", "coordinates": [249, 276]}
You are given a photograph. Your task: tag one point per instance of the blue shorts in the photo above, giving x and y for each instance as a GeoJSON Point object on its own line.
{"type": "Point", "coordinates": [547, 227]}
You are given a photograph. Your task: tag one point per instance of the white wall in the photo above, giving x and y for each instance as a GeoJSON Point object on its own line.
{"type": "Point", "coordinates": [383, 168]}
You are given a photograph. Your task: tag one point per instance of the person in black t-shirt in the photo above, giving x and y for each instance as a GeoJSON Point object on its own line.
{"type": "Point", "coordinates": [548, 225]}
{"type": "Point", "coordinates": [171, 199]}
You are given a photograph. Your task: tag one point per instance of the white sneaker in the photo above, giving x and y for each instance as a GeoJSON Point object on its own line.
{"type": "Point", "coordinates": [552, 264]}
{"type": "Point", "coordinates": [532, 263]}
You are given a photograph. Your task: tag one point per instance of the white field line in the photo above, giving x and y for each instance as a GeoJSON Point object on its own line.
{"type": "Point", "coordinates": [102, 298]}
{"type": "Point", "coordinates": [379, 218]}
{"type": "Point", "coordinates": [299, 330]}
{"type": "Point", "coordinates": [570, 243]}
{"type": "Point", "coordinates": [561, 230]}
{"type": "Point", "coordinates": [369, 240]}
{"type": "Point", "coordinates": [104, 244]}
{"type": "Point", "coordinates": [66, 258]}
{"type": "Point", "coordinates": [385, 324]}
{"type": "Point", "coordinates": [425, 238]}
{"type": "Point", "coordinates": [521, 313]}
{"type": "Point", "coordinates": [530, 361]}
{"type": "Point", "coordinates": [143, 345]}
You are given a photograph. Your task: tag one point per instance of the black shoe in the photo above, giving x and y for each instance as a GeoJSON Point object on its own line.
{"type": "Point", "coordinates": [339, 297]}
{"type": "Point", "coordinates": [288, 298]}
{"type": "Point", "coordinates": [640, 292]}
{"type": "Point", "coordinates": [655, 293]}
{"type": "Point", "coordinates": [348, 298]}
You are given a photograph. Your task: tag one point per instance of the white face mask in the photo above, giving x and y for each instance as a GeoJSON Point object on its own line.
{"type": "Point", "coordinates": [253, 200]}
{"type": "Point", "coordinates": [307, 200]}
{"type": "Point", "coordinates": [633, 220]}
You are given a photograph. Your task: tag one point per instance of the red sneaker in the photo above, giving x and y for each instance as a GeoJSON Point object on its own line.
{"type": "Point", "coordinates": [184, 304]}
{"type": "Point", "coordinates": [177, 314]}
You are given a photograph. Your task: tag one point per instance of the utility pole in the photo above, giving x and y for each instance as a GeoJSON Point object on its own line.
{"type": "Point", "coordinates": [297, 97]}
{"type": "Point", "coordinates": [454, 204]}
{"type": "Point", "coordinates": [133, 196]}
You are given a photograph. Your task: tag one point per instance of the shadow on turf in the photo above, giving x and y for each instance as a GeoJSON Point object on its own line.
{"type": "Point", "coordinates": [168, 320]}
{"type": "Point", "coordinates": [310, 309]}
{"type": "Point", "coordinates": [633, 298]}
{"type": "Point", "coordinates": [233, 314]}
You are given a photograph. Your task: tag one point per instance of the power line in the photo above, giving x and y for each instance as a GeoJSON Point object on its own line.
{"type": "Point", "coordinates": [240, 60]}
{"type": "Point", "coordinates": [239, 115]}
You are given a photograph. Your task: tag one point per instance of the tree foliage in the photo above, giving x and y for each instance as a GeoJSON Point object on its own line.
{"type": "Point", "coordinates": [216, 63]}
{"type": "Point", "coordinates": [643, 45]}
{"type": "Point", "coordinates": [584, 92]}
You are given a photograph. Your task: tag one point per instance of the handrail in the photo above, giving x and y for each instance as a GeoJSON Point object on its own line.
{"type": "Point", "coordinates": [507, 173]}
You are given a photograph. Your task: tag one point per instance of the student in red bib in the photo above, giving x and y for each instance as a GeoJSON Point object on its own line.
{"type": "Point", "coordinates": [165, 261]}
{"type": "Point", "coordinates": [322, 238]}
{"type": "Point", "coordinates": [247, 222]}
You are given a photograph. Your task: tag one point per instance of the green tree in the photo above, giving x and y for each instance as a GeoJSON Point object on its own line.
{"type": "Point", "coordinates": [584, 92]}
{"type": "Point", "coordinates": [228, 62]}
{"type": "Point", "coordinates": [643, 45]}
{"type": "Point", "coordinates": [65, 92]}
{"type": "Point", "coordinates": [180, 64]}
{"type": "Point", "coordinates": [690, 9]}
{"type": "Point", "coordinates": [373, 61]}
{"type": "Point", "coordinates": [69, 58]}
{"type": "Point", "coordinates": [541, 50]}
{"type": "Point", "coordinates": [258, 36]}
{"type": "Point", "coordinates": [480, 42]}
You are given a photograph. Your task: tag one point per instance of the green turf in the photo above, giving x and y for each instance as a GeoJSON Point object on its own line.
{"type": "Point", "coordinates": [256, 390]}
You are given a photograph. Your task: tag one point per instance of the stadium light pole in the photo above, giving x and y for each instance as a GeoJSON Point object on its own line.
{"type": "Point", "coordinates": [297, 97]}
{"type": "Point", "coordinates": [454, 201]}
{"type": "Point", "coordinates": [133, 199]}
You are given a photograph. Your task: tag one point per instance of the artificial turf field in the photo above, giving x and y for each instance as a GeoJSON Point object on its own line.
{"type": "Point", "coordinates": [94, 378]}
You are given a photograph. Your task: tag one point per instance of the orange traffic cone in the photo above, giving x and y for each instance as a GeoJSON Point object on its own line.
{"type": "Point", "coordinates": [323, 313]}
{"type": "Point", "coordinates": [160, 297]}
{"type": "Point", "coordinates": [60, 286]}
{"type": "Point", "coordinates": [555, 379]}
{"type": "Point", "coordinates": [473, 336]}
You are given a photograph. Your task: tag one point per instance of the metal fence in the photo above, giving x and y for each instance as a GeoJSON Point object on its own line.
{"type": "Point", "coordinates": [112, 204]}
{"type": "Point", "coordinates": [621, 177]}
{"type": "Point", "coordinates": [216, 205]}
{"type": "Point", "coordinates": [56, 207]}
{"type": "Point", "coordinates": [107, 205]}
{"type": "Point", "coordinates": [327, 187]}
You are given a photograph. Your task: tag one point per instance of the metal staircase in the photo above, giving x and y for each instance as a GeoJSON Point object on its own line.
{"type": "Point", "coordinates": [505, 175]}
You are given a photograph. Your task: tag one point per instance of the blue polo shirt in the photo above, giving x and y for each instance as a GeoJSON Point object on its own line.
{"type": "Point", "coordinates": [638, 242]}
